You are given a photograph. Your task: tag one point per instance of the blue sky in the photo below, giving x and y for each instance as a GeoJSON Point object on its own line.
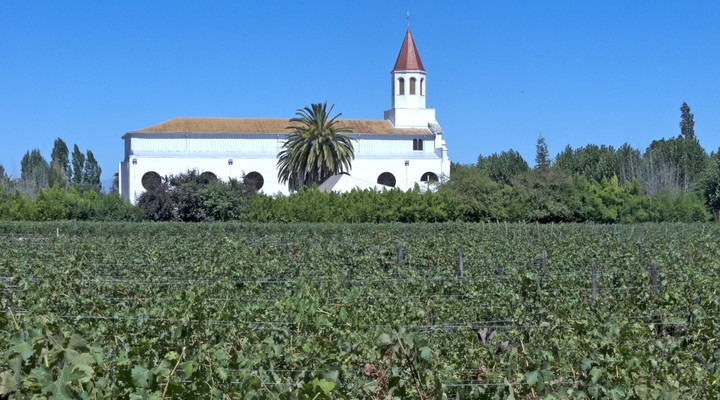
{"type": "Point", "coordinates": [499, 73]}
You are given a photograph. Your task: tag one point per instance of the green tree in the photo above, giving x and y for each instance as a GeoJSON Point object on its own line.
{"type": "Point", "coordinates": [549, 195]}
{"type": "Point", "coordinates": [78, 165]}
{"type": "Point", "coordinates": [687, 122]}
{"type": "Point", "coordinates": [115, 187]}
{"type": "Point", "coordinates": [155, 203]}
{"type": "Point", "coordinates": [4, 178]}
{"type": "Point", "coordinates": [629, 163]}
{"type": "Point", "coordinates": [60, 163]}
{"type": "Point", "coordinates": [542, 155]}
{"type": "Point", "coordinates": [673, 165]}
{"type": "Point", "coordinates": [34, 172]}
{"type": "Point", "coordinates": [710, 184]}
{"type": "Point", "coordinates": [502, 167]}
{"type": "Point", "coordinates": [91, 173]}
{"type": "Point", "coordinates": [479, 198]}
{"type": "Point", "coordinates": [316, 149]}
{"type": "Point", "coordinates": [592, 161]}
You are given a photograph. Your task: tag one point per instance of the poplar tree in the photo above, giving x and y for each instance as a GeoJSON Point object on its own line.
{"type": "Point", "coordinates": [78, 165]}
{"type": "Point", "coordinates": [34, 170]}
{"type": "Point", "coordinates": [60, 163]}
{"type": "Point", "coordinates": [687, 122]}
{"type": "Point", "coordinates": [91, 173]}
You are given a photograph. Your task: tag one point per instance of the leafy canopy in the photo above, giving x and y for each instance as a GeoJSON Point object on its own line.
{"type": "Point", "coordinates": [316, 149]}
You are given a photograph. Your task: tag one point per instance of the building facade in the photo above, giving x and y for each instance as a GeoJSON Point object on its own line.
{"type": "Point", "coordinates": [403, 149]}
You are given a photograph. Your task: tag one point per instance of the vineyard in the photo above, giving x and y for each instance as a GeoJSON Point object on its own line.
{"type": "Point", "coordinates": [425, 311]}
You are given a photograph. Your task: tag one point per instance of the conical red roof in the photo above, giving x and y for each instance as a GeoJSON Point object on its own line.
{"type": "Point", "coordinates": [408, 59]}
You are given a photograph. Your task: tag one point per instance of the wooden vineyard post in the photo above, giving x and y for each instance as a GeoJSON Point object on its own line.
{"type": "Point", "coordinates": [460, 263]}
{"type": "Point", "coordinates": [400, 253]}
{"type": "Point", "coordinates": [500, 270]}
{"type": "Point", "coordinates": [653, 276]}
{"type": "Point", "coordinates": [543, 269]}
{"type": "Point", "coordinates": [594, 281]}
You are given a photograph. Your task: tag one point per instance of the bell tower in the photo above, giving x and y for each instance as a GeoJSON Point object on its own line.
{"type": "Point", "coordinates": [409, 89]}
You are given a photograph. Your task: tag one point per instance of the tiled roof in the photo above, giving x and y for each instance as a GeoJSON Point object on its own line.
{"type": "Point", "coordinates": [408, 59]}
{"type": "Point", "coordinates": [268, 125]}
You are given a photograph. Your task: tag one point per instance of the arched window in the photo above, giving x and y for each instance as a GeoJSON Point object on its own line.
{"type": "Point", "coordinates": [429, 177]}
{"type": "Point", "coordinates": [254, 180]}
{"type": "Point", "coordinates": [151, 180]}
{"type": "Point", "coordinates": [387, 179]}
{"type": "Point", "coordinates": [417, 144]}
{"type": "Point", "coordinates": [422, 86]}
{"type": "Point", "coordinates": [401, 86]}
{"type": "Point", "coordinates": [208, 177]}
{"type": "Point", "coordinates": [412, 85]}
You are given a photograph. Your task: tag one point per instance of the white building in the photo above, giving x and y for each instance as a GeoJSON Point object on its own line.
{"type": "Point", "coordinates": [404, 148]}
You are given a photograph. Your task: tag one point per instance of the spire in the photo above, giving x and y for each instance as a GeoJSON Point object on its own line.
{"type": "Point", "coordinates": [408, 59]}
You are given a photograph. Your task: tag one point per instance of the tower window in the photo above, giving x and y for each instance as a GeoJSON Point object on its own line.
{"type": "Point", "coordinates": [422, 86]}
{"type": "Point", "coordinates": [417, 144]}
{"type": "Point", "coordinates": [401, 86]}
{"type": "Point", "coordinates": [412, 85]}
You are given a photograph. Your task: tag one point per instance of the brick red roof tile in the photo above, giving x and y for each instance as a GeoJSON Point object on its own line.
{"type": "Point", "coordinates": [266, 126]}
{"type": "Point", "coordinates": [408, 59]}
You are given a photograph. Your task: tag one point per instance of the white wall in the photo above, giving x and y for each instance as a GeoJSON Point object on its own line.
{"type": "Point", "coordinates": [171, 156]}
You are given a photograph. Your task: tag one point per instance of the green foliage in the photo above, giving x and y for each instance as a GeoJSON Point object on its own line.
{"type": "Point", "coordinates": [91, 173]}
{"type": "Point", "coordinates": [4, 178]}
{"type": "Point", "coordinates": [357, 206]}
{"type": "Point", "coordinates": [709, 185]}
{"type": "Point", "coordinates": [502, 167]}
{"type": "Point", "coordinates": [192, 197]}
{"type": "Point", "coordinates": [56, 203]}
{"type": "Point", "coordinates": [316, 149]}
{"type": "Point", "coordinates": [478, 198]}
{"type": "Point", "coordinates": [673, 164]}
{"type": "Point", "coordinates": [323, 311]}
{"type": "Point", "coordinates": [687, 122]}
{"type": "Point", "coordinates": [78, 166]}
{"type": "Point", "coordinates": [545, 195]}
{"type": "Point", "coordinates": [542, 155]}
{"type": "Point", "coordinates": [60, 163]}
{"type": "Point", "coordinates": [34, 172]}
{"type": "Point", "coordinates": [592, 161]}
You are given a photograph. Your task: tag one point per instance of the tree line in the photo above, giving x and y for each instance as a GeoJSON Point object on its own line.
{"type": "Point", "coordinates": [81, 172]}
{"type": "Point", "coordinates": [672, 180]}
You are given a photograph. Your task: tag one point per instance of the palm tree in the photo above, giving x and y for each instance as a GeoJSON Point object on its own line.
{"type": "Point", "coordinates": [315, 150]}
